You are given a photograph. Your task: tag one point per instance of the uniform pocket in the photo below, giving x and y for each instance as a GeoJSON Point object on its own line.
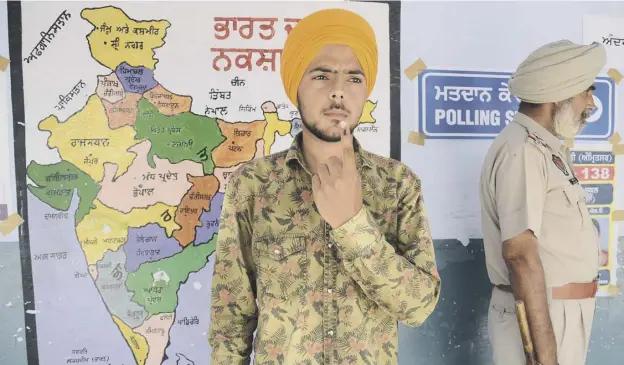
{"type": "Point", "coordinates": [564, 203]}
{"type": "Point", "coordinates": [282, 265]}
{"type": "Point", "coordinates": [582, 205]}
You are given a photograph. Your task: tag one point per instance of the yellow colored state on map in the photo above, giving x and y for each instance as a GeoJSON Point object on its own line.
{"type": "Point", "coordinates": [367, 113]}
{"type": "Point", "coordinates": [105, 228]}
{"type": "Point", "coordinates": [274, 124]}
{"type": "Point", "coordinates": [137, 342]}
{"type": "Point", "coordinates": [86, 140]}
{"type": "Point", "coordinates": [117, 38]}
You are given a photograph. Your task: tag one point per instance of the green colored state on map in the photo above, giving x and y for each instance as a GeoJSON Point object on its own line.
{"type": "Point", "coordinates": [180, 137]}
{"type": "Point", "coordinates": [155, 284]}
{"type": "Point", "coordinates": [55, 186]}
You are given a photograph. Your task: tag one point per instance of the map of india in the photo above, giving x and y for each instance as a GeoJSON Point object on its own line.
{"type": "Point", "coordinates": [139, 189]}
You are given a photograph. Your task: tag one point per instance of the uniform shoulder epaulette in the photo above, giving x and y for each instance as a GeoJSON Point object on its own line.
{"type": "Point", "coordinates": [536, 140]}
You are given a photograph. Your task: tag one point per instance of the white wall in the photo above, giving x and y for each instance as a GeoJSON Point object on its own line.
{"type": "Point", "coordinates": [494, 36]}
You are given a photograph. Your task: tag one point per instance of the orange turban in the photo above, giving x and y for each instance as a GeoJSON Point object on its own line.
{"type": "Point", "coordinates": [312, 33]}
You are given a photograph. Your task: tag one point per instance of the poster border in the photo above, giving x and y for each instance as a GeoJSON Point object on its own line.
{"type": "Point", "coordinates": [14, 11]}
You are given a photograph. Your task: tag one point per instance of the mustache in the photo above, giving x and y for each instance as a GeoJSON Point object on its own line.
{"type": "Point", "coordinates": [338, 107]}
{"type": "Point", "coordinates": [584, 116]}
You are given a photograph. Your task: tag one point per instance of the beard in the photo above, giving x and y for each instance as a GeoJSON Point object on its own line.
{"type": "Point", "coordinates": [316, 131]}
{"type": "Point", "coordinates": [567, 125]}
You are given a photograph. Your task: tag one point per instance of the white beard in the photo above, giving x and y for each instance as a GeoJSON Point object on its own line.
{"type": "Point", "coordinates": [565, 124]}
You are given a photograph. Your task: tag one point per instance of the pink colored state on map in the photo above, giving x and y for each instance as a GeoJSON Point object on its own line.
{"type": "Point", "coordinates": [135, 79]}
{"type": "Point", "coordinates": [143, 186]}
{"type": "Point", "coordinates": [209, 220]}
{"type": "Point", "coordinates": [109, 88]}
{"type": "Point", "coordinates": [123, 112]}
{"type": "Point", "coordinates": [149, 243]}
{"type": "Point", "coordinates": [156, 332]}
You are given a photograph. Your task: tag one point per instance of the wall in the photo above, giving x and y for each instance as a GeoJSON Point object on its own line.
{"type": "Point", "coordinates": [484, 36]}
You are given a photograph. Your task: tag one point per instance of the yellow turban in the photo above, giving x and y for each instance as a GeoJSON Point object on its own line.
{"type": "Point", "coordinates": [557, 71]}
{"type": "Point", "coordinates": [312, 33]}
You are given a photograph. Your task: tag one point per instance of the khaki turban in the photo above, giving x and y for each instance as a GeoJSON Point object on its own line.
{"type": "Point", "coordinates": [557, 71]}
{"type": "Point", "coordinates": [312, 33]}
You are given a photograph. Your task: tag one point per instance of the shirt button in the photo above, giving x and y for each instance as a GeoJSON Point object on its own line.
{"type": "Point", "coordinates": [329, 290]}
{"type": "Point", "coordinates": [330, 332]}
{"type": "Point", "coordinates": [277, 252]}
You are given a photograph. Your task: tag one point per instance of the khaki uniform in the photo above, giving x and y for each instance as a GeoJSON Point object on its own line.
{"type": "Point", "coordinates": [528, 182]}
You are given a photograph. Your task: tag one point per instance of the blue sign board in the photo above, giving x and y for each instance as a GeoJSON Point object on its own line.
{"type": "Point", "coordinates": [474, 104]}
{"type": "Point", "coordinates": [599, 210]}
{"type": "Point", "coordinates": [604, 277]}
{"type": "Point", "coordinates": [598, 194]}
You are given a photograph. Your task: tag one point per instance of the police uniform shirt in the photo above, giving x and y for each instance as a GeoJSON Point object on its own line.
{"type": "Point", "coordinates": [528, 183]}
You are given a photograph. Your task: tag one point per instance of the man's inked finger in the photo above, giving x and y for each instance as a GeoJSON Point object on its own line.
{"type": "Point", "coordinates": [348, 153]}
{"type": "Point", "coordinates": [346, 138]}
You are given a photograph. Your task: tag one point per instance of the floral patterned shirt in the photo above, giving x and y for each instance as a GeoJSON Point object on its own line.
{"type": "Point", "coordinates": [313, 294]}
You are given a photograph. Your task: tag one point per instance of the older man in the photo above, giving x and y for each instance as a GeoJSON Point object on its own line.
{"type": "Point", "coordinates": [324, 247]}
{"type": "Point", "coordinates": [540, 243]}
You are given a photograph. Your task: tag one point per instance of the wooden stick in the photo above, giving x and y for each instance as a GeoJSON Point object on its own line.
{"type": "Point", "coordinates": [525, 333]}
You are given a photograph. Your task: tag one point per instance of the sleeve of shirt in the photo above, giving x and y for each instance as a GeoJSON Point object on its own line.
{"type": "Point", "coordinates": [520, 190]}
{"type": "Point", "coordinates": [404, 280]}
{"type": "Point", "coordinates": [233, 315]}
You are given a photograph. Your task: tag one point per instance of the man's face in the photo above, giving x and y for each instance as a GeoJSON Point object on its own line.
{"type": "Point", "coordinates": [570, 116]}
{"type": "Point", "coordinates": [333, 89]}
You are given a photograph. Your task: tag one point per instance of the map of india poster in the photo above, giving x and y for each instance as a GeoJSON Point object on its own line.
{"type": "Point", "coordinates": [136, 114]}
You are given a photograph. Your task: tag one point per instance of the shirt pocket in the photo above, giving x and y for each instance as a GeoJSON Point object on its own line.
{"type": "Point", "coordinates": [564, 204]}
{"type": "Point", "coordinates": [282, 267]}
{"type": "Point", "coordinates": [582, 205]}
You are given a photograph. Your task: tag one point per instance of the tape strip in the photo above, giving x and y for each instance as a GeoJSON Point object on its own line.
{"type": "Point", "coordinates": [615, 139]}
{"type": "Point", "coordinates": [415, 68]}
{"type": "Point", "coordinates": [416, 138]}
{"type": "Point", "coordinates": [4, 63]}
{"type": "Point", "coordinates": [615, 75]}
{"type": "Point", "coordinates": [617, 215]}
{"type": "Point", "coordinates": [8, 225]}
{"type": "Point", "coordinates": [569, 142]}
{"type": "Point", "coordinates": [618, 149]}
{"type": "Point", "coordinates": [613, 290]}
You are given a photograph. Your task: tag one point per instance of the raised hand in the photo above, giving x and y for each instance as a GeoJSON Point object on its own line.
{"type": "Point", "coordinates": [337, 186]}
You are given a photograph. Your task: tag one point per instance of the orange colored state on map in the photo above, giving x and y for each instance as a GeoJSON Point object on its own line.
{"type": "Point", "coordinates": [196, 200]}
{"type": "Point", "coordinates": [123, 112]}
{"type": "Point", "coordinates": [223, 173]}
{"type": "Point", "coordinates": [240, 143]}
{"type": "Point", "coordinates": [167, 102]}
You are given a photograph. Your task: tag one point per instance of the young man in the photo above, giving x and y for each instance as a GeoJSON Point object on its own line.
{"type": "Point", "coordinates": [322, 248]}
{"type": "Point", "coordinates": [540, 243]}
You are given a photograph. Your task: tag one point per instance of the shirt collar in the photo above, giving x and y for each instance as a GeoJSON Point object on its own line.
{"type": "Point", "coordinates": [534, 127]}
{"type": "Point", "coordinates": [295, 153]}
